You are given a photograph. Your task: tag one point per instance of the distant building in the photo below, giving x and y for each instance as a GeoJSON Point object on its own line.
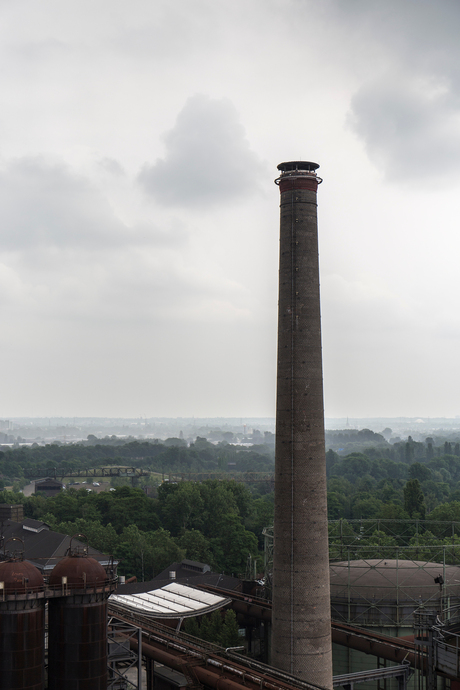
{"type": "Point", "coordinates": [185, 572]}
{"type": "Point", "coordinates": [48, 487]}
{"type": "Point", "coordinates": [11, 512]}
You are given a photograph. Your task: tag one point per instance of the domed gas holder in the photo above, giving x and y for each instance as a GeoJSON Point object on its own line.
{"type": "Point", "coordinates": [78, 572]}
{"type": "Point", "coordinates": [79, 588]}
{"type": "Point", "coordinates": [19, 579]}
{"type": "Point", "coordinates": [22, 621]}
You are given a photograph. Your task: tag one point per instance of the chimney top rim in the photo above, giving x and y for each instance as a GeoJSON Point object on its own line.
{"type": "Point", "coordinates": [298, 166]}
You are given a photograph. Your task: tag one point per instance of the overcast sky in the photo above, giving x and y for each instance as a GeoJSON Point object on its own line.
{"type": "Point", "coordinates": [139, 220]}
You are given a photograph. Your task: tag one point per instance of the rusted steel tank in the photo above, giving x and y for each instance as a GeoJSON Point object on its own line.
{"type": "Point", "coordinates": [22, 625]}
{"type": "Point", "coordinates": [77, 622]}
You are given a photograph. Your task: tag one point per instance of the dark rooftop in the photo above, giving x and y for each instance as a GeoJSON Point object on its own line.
{"type": "Point", "coordinates": [34, 525]}
{"type": "Point", "coordinates": [42, 547]}
{"type": "Point", "coordinates": [184, 576]}
{"type": "Point", "coordinates": [48, 480]}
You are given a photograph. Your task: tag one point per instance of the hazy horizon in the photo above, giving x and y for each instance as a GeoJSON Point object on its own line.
{"type": "Point", "coordinates": [373, 423]}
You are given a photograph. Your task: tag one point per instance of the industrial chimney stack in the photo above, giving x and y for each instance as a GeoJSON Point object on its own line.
{"type": "Point", "coordinates": [301, 636]}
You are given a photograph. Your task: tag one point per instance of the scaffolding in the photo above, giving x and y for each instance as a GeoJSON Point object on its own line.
{"type": "Point", "coordinates": [388, 592]}
{"type": "Point", "coordinates": [417, 536]}
{"type": "Point", "coordinates": [416, 561]}
{"type": "Point", "coordinates": [124, 664]}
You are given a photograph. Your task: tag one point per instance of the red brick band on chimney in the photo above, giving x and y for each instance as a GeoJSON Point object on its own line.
{"type": "Point", "coordinates": [298, 182]}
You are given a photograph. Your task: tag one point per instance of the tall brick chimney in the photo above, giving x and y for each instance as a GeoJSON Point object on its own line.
{"type": "Point", "coordinates": [301, 634]}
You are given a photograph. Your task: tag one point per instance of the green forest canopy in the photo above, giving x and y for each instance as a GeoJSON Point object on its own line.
{"type": "Point", "coordinates": [221, 522]}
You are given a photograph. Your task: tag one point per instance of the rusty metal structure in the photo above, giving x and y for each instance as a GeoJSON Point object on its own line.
{"type": "Point", "coordinates": [301, 638]}
{"type": "Point", "coordinates": [110, 471]}
{"type": "Point", "coordinates": [387, 594]}
{"type": "Point", "coordinates": [121, 658]}
{"type": "Point", "coordinates": [433, 652]}
{"type": "Point", "coordinates": [207, 664]}
{"type": "Point", "coordinates": [77, 596]}
{"type": "Point", "coordinates": [77, 615]}
{"type": "Point", "coordinates": [22, 625]}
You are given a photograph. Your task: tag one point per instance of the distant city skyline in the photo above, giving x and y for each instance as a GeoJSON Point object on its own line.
{"type": "Point", "coordinates": [139, 220]}
{"type": "Point", "coordinates": [376, 424]}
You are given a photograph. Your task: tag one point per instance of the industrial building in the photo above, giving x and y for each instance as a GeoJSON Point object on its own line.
{"type": "Point", "coordinates": [390, 597]}
{"type": "Point", "coordinates": [42, 570]}
{"type": "Point", "coordinates": [41, 546]}
{"type": "Point", "coordinates": [48, 487]}
{"type": "Point", "coordinates": [76, 593]}
{"type": "Point", "coordinates": [369, 653]}
{"type": "Point", "coordinates": [383, 596]}
{"type": "Point", "coordinates": [385, 593]}
{"type": "Point", "coordinates": [185, 572]}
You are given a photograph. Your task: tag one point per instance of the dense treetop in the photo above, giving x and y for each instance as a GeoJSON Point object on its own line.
{"type": "Point", "coordinates": [170, 456]}
{"type": "Point", "coordinates": [220, 521]}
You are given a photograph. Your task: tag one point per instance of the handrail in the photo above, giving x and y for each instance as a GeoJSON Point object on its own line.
{"type": "Point", "coordinates": [55, 591]}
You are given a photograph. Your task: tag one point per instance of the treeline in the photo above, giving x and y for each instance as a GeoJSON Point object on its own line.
{"type": "Point", "coordinates": [221, 522]}
{"type": "Point", "coordinates": [386, 508]}
{"type": "Point", "coordinates": [360, 487]}
{"type": "Point", "coordinates": [170, 456]}
{"type": "Point", "coordinates": [377, 446]}
{"type": "Point", "coordinates": [215, 522]}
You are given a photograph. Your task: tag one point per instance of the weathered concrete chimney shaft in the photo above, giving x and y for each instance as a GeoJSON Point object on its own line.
{"type": "Point", "coordinates": [301, 636]}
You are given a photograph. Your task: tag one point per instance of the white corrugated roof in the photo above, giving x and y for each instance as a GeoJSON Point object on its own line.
{"type": "Point", "coordinates": [171, 601]}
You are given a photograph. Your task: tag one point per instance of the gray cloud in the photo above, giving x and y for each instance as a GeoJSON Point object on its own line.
{"type": "Point", "coordinates": [208, 158]}
{"type": "Point", "coordinates": [407, 109]}
{"type": "Point", "coordinates": [66, 254]}
{"type": "Point", "coordinates": [111, 166]}
{"type": "Point", "coordinates": [408, 131]}
{"type": "Point", "coordinates": [196, 25]}
{"type": "Point", "coordinates": [45, 205]}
